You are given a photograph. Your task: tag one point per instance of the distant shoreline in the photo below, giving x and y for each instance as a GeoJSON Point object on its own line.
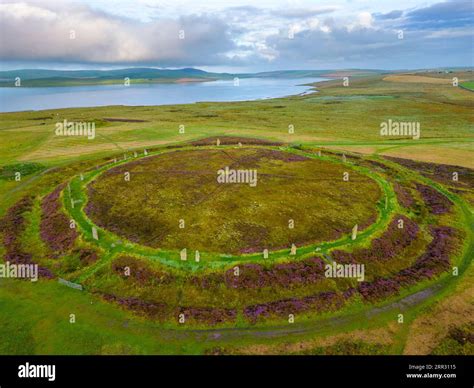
{"type": "Point", "coordinates": [21, 99]}
{"type": "Point", "coordinates": [49, 78]}
{"type": "Point", "coordinates": [39, 83]}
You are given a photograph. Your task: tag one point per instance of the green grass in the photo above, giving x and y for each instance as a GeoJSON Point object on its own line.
{"type": "Point", "coordinates": [468, 85]}
{"type": "Point", "coordinates": [36, 325]}
{"type": "Point", "coordinates": [11, 171]}
{"type": "Point", "coordinates": [35, 317]}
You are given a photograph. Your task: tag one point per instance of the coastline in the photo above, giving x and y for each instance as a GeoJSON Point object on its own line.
{"type": "Point", "coordinates": [309, 89]}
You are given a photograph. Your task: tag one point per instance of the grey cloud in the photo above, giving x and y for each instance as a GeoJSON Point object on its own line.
{"type": "Point", "coordinates": [42, 33]}
{"type": "Point", "coordinates": [396, 14]}
{"type": "Point", "coordinates": [300, 13]}
{"type": "Point", "coordinates": [454, 13]}
{"type": "Point", "coordinates": [370, 47]}
{"type": "Point", "coordinates": [239, 36]}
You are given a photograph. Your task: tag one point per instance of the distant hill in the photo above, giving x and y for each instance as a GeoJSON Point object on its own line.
{"type": "Point", "coordinates": [44, 77]}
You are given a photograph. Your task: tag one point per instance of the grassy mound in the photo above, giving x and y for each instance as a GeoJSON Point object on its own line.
{"type": "Point", "coordinates": [231, 217]}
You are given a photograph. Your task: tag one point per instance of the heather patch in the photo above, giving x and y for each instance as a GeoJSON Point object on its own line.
{"type": "Point", "coordinates": [436, 202]}
{"type": "Point", "coordinates": [156, 310]}
{"type": "Point", "coordinates": [392, 242]}
{"type": "Point", "coordinates": [55, 226]}
{"type": "Point", "coordinates": [430, 264]}
{"type": "Point", "coordinates": [404, 197]}
{"type": "Point", "coordinates": [324, 301]}
{"type": "Point", "coordinates": [13, 225]}
{"type": "Point", "coordinates": [139, 271]}
{"type": "Point", "coordinates": [442, 173]}
{"type": "Point", "coordinates": [254, 276]}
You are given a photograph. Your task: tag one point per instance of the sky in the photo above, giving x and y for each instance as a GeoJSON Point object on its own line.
{"type": "Point", "coordinates": [236, 35]}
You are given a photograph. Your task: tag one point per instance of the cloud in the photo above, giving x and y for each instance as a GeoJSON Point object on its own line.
{"type": "Point", "coordinates": [43, 32]}
{"type": "Point", "coordinates": [433, 36]}
{"type": "Point", "coordinates": [455, 13]}
{"type": "Point", "coordinates": [247, 35]}
{"type": "Point", "coordinates": [299, 13]}
{"type": "Point", "coordinates": [332, 42]}
{"type": "Point", "coordinates": [395, 14]}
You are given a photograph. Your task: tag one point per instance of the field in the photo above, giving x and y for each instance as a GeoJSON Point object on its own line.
{"type": "Point", "coordinates": [114, 214]}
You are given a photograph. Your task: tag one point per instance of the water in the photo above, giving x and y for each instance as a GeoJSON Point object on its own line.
{"type": "Point", "coordinates": [13, 99]}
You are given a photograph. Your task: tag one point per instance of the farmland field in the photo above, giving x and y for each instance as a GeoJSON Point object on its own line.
{"type": "Point", "coordinates": [170, 260]}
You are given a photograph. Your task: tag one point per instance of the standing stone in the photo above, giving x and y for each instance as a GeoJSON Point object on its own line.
{"type": "Point", "coordinates": [354, 232]}
{"type": "Point", "coordinates": [293, 249]}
